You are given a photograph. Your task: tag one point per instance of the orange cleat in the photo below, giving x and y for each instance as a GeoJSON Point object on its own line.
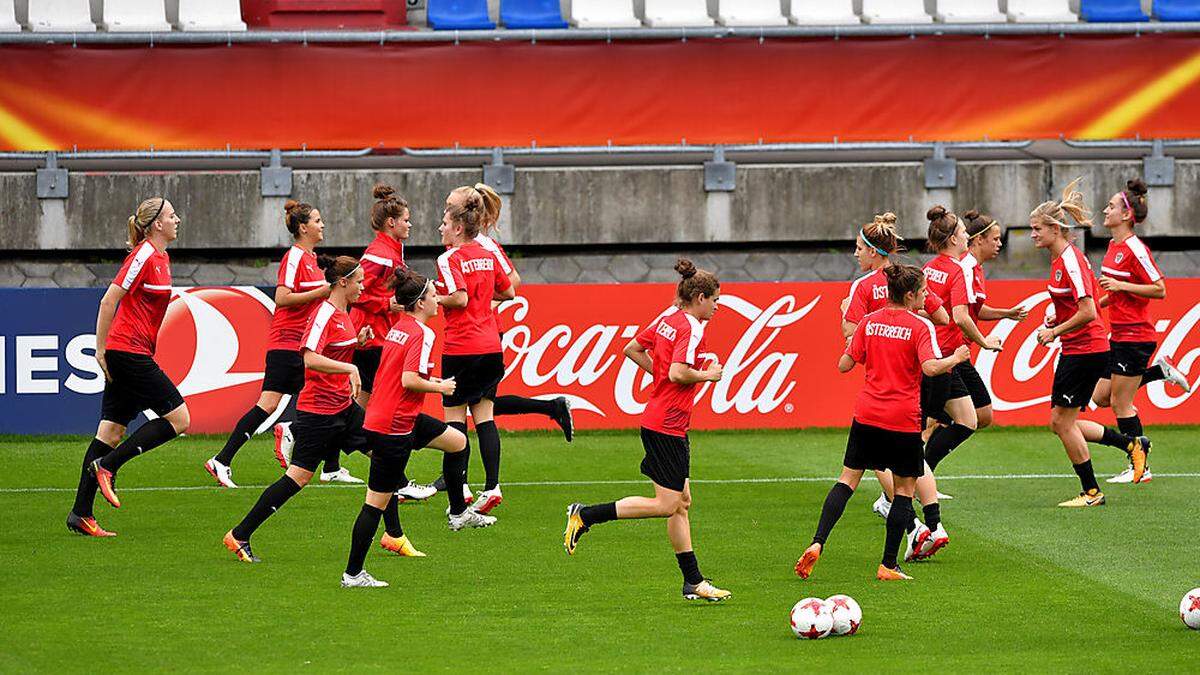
{"type": "Point", "coordinates": [891, 574]}
{"type": "Point", "coordinates": [241, 549]}
{"type": "Point", "coordinates": [1138, 450]}
{"type": "Point", "coordinates": [86, 525]}
{"type": "Point", "coordinates": [104, 478]}
{"type": "Point", "coordinates": [806, 563]}
{"type": "Point", "coordinates": [401, 546]}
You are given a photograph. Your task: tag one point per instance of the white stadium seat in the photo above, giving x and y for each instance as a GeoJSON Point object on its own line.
{"type": "Point", "coordinates": [677, 14]}
{"type": "Point", "coordinates": [823, 13]}
{"type": "Point", "coordinates": [1041, 11]}
{"type": "Point", "coordinates": [67, 16]}
{"type": "Point", "coordinates": [134, 15]}
{"type": "Point", "coordinates": [208, 15]}
{"type": "Point", "coordinates": [895, 11]}
{"type": "Point", "coordinates": [8, 17]}
{"type": "Point", "coordinates": [970, 11]}
{"type": "Point", "coordinates": [604, 14]}
{"type": "Point", "coordinates": [750, 13]}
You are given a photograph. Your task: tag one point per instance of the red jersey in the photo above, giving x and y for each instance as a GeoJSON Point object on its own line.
{"type": "Point", "coordinates": [146, 278]}
{"type": "Point", "coordinates": [1071, 280]}
{"type": "Point", "coordinates": [373, 308]}
{"type": "Point", "coordinates": [676, 337]}
{"type": "Point", "coordinates": [495, 247]}
{"type": "Point", "coordinates": [973, 269]}
{"type": "Point", "coordinates": [330, 333]}
{"type": "Point", "coordinates": [892, 344]}
{"type": "Point", "coordinates": [945, 278]}
{"type": "Point", "coordinates": [476, 270]}
{"type": "Point", "coordinates": [407, 347]}
{"type": "Point", "coordinates": [298, 271]}
{"type": "Point", "coordinates": [1129, 314]}
{"type": "Point", "coordinates": [869, 293]}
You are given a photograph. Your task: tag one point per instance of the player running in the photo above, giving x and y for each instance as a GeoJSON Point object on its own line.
{"type": "Point", "coordinates": [896, 347]}
{"type": "Point", "coordinates": [131, 312]}
{"type": "Point", "coordinates": [671, 349]}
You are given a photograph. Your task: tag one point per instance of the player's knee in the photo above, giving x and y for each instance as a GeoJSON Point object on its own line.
{"type": "Point", "coordinates": [685, 503]}
{"type": "Point", "coordinates": [985, 420]}
{"type": "Point", "coordinates": [180, 419]}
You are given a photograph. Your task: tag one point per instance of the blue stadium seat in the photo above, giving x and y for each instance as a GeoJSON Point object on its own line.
{"type": "Point", "coordinates": [531, 14]}
{"type": "Point", "coordinates": [1111, 11]}
{"type": "Point", "coordinates": [1177, 10]}
{"type": "Point", "coordinates": [459, 15]}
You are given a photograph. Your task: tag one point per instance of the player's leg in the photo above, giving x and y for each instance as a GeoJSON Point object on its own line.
{"type": "Point", "coordinates": [902, 513]}
{"type": "Point", "coordinates": [945, 439]}
{"type": "Point", "coordinates": [831, 511]}
{"type": "Point", "coordinates": [1063, 421]}
{"type": "Point", "coordinates": [489, 451]}
{"type": "Point", "coordinates": [147, 437]}
{"type": "Point", "coordinates": [81, 518]}
{"type": "Point", "coordinates": [219, 466]}
{"type": "Point", "coordinates": [679, 532]}
{"type": "Point", "coordinates": [557, 409]}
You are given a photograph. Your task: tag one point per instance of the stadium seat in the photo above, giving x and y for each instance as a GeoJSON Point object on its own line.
{"type": "Point", "coordinates": [969, 11]}
{"type": "Point", "coordinates": [134, 15]}
{"type": "Point", "coordinates": [531, 14]}
{"type": "Point", "coordinates": [208, 15]}
{"type": "Point", "coordinates": [895, 11]}
{"type": "Point", "coordinates": [459, 15]}
{"type": "Point", "coordinates": [1111, 11]}
{"type": "Point", "coordinates": [750, 13]}
{"type": "Point", "coordinates": [324, 14]}
{"type": "Point", "coordinates": [677, 14]}
{"type": "Point", "coordinates": [68, 16]}
{"type": "Point", "coordinates": [1177, 10]}
{"type": "Point", "coordinates": [8, 17]}
{"type": "Point", "coordinates": [604, 14]}
{"type": "Point", "coordinates": [823, 13]}
{"type": "Point", "coordinates": [1040, 11]}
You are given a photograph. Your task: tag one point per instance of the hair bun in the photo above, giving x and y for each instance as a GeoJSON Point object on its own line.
{"type": "Point", "coordinates": [686, 268]}
{"type": "Point", "coordinates": [887, 218]}
{"type": "Point", "coordinates": [382, 191]}
{"type": "Point", "coordinates": [972, 214]}
{"type": "Point", "coordinates": [289, 205]}
{"type": "Point", "coordinates": [325, 261]}
{"type": "Point", "coordinates": [1137, 186]}
{"type": "Point", "coordinates": [935, 213]}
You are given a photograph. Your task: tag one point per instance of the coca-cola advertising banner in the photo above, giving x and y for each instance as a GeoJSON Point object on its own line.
{"type": "Point", "coordinates": [779, 343]}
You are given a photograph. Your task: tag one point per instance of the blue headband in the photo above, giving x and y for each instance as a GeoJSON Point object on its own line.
{"type": "Point", "coordinates": [863, 235]}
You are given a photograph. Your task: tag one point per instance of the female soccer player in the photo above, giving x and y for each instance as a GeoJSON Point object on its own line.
{"type": "Point", "coordinates": [896, 347]}
{"type": "Point", "coordinates": [471, 279]}
{"type": "Point", "coordinates": [671, 349]}
{"type": "Point", "coordinates": [299, 291]}
{"type": "Point", "coordinates": [1083, 338]}
{"type": "Point", "coordinates": [127, 324]}
{"type": "Point", "coordinates": [327, 418]}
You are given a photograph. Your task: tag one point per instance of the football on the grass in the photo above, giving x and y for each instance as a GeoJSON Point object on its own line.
{"type": "Point", "coordinates": [811, 619]}
{"type": "Point", "coordinates": [847, 615]}
{"type": "Point", "coordinates": [1189, 609]}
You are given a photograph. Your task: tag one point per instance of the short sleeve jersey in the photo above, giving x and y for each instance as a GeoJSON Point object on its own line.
{"type": "Point", "coordinates": [676, 337]}
{"type": "Point", "coordinates": [494, 246]}
{"type": "Point", "coordinates": [471, 330]}
{"type": "Point", "coordinates": [298, 271]}
{"type": "Point", "coordinates": [383, 256]}
{"type": "Point", "coordinates": [892, 344]}
{"type": "Point", "coordinates": [146, 278]}
{"type": "Point", "coordinates": [1130, 261]}
{"type": "Point", "coordinates": [945, 278]}
{"type": "Point", "coordinates": [973, 269]}
{"type": "Point", "coordinates": [330, 334]}
{"type": "Point", "coordinates": [407, 347]}
{"type": "Point", "coordinates": [869, 293]}
{"type": "Point", "coordinates": [1071, 280]}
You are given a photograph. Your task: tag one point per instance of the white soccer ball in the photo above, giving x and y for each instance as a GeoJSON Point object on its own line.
{"type": "Point", "coordinates": [1189, 609]}
{"type": "Point", "coordinates": [811, 619]}
{"type": "Point", "coordinates": [847, 615]}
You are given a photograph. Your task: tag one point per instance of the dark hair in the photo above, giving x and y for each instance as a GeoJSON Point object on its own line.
{"type": "Point", "coordinates": [471, 213]}
{"type": "Point", "coordinates": [408, 286]}
{"type": "Point", "coordinates": [336, 268]}
{"type": "Point", "coordinates": [978, 223]}
{"type": "Point", "coordinates": [1135, 193]}
{"type": "Point", "coordinates": [881, 233]}
{"type": "Point", "coordinates": [942, 224]}
{"type": "Point", "coordinates": [387, 204]}
{"type": "Point", "coordinates": [902, 280]}
{"type": "Point", "coordinates": [296, 214]}
{"type": "Point", "coordinates": [695, 282]}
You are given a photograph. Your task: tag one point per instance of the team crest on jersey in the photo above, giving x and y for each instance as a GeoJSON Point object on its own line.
{"type": "Point", "coordinates": [1120, 257]}
{"type": "Point", "coordinates": [1058, 275]}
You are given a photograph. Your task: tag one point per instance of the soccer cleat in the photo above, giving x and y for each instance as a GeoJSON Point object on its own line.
{"type": "Point", "coordinates": [107, 482]}
{"type": "Point", "coordinates": [1172, 374]}
{"type": "Point", "coordinates": [469, 518]}
{"type": "Point", "coordinates": [86, 525]}
{"type": "Point", "coordinates": [882, 507]}
{"type": "Point", "coordinates": [938, 539]}
{"type": "Point", "coordinates": [705, 591]}
{"type": "Point", "coordinates": [401, 546]}
{"type": "Point", "coordinates": [807, 561]}
{"type": "Point", "coordinates": [575, 528]}
{"type": "Point", "coordinates": [221, 472]}
{"type": "Point", "coordinates": [362, 580]}
{"type": "Point", "coordinates": [563, 418]}
{"type": "Point", "coordinates": [1126, 476]}
{"type": "Point", "coordinates": [916, 542]}
{"type": "Point", "coordinates": [1138, 451]}
{"type": "Point", "coordinates": [241, 549]}
{"type": "Point", "coordinates": [284, 442]}
{"type": "Point", "coordinates": [487, 500]}
{"type": "Point", "coordinates": [1092, 497]}
{"type": "Point", "coordinates": [891, 574]}
{"type": "Point", "coordinates": [415, 492]}
{"type": "Point", "coordinates": [340, 476]}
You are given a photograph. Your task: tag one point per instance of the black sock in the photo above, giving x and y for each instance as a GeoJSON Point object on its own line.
{"type": "Point", "coordinates": [453, 467]}
{"type": "Point", "coordinates": [598, 513]}
{"type": "Point", "coordinates": [901, 513]}
{"type": "Point", "coordinates": [1131, 426]}
{"type": "Point", "coordinates": [361, 536]}
{"type": "Point", "coordinates": [85, 494]}
{"type": "Point", "coordinates": [147, 437]}
{"type": "Point", "coordinates": [391, 518]}
{"type": "Point", "coordinates": [466, 452]}
{"type": "Point", "coordinates": [270, 501]}
{"type": "Point", "coordinates": [1116, 439]}
{"type": "Point", "coordinates": [244, 430]}
{"type": "Point", "coordinates": [489, 452]}
{"type": "Point", "coordinates": [1153, 374]}
{"type": "Point", "coordinates": [333, 461]}
{"type": "Point", "coordinates": [943, 441]}
{"type": "Point", "coordinates": [1087, 477]}
{"type": "Point", "coordinates": [689, 567]}
{"type": "Point", "coordinates": [519, 405]}
{"type": "Point", "coordinates": [831, 511]}
{"type": "Point", "coordinates": [933, 515]}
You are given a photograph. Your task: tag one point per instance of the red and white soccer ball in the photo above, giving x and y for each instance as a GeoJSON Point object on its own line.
{"type": "Point", "coordinates": [811, 619]}
{"type": "Point", "coordinates": [1189, 609]}
{"type": "Point", "coordinates": [847, 615]}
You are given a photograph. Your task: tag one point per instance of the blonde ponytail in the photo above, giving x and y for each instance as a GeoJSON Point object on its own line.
{"type": "Point", "coordinates": [140, 222]}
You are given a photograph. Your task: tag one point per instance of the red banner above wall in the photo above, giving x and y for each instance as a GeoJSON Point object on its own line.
{"type": "Point", "coordinates": [593, 93]}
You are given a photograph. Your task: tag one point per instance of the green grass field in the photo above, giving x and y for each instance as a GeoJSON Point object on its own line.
{"type": "Point", "coordinates": [1023, 585]}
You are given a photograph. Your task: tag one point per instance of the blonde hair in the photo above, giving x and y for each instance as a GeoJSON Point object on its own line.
{"type": "Point", "coordinates": [881, 233]}
{"type": "Point", "coordinates": [491, 205]}
{"type": "Point", "coordinates": [471, 213]}
{"type": "Point", "coordinates": [1071, 204]}
{"type": "Point", "coordinates": [139, 223]}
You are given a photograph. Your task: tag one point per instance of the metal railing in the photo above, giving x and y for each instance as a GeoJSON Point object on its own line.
{"type": "Point", "coordinates": [686, 148]}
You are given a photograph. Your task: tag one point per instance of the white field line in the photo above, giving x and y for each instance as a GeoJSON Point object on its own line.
{"type": "Point", "coordinates": [568, 483]}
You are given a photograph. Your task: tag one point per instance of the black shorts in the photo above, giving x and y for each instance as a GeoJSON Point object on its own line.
{"type": "Point", "coordinates": [476, 377]}
{"type": "Point", "coordinates": [668, 459]}
{"type": "Point", "coordinates": [367, 361]}
{"type": "Point", "coordinates": [937, 390]}
{"type": "Point", "coordinates": [284, 373]}
{"type": "Point", "coordinates": [317, 436]}
{"type": "Point", "coordinates": [976, 389]}
{"type": "Point", "coordinates": [1130, 359]}
{"type": "Point", "coordinates": [390, 453]}
{"type": "Point", "coordinates": [873, 448]}
{"type": "Point", "coordinates": [1076, 377]}
{"type": "Point", "coordinates": [137, 384]}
